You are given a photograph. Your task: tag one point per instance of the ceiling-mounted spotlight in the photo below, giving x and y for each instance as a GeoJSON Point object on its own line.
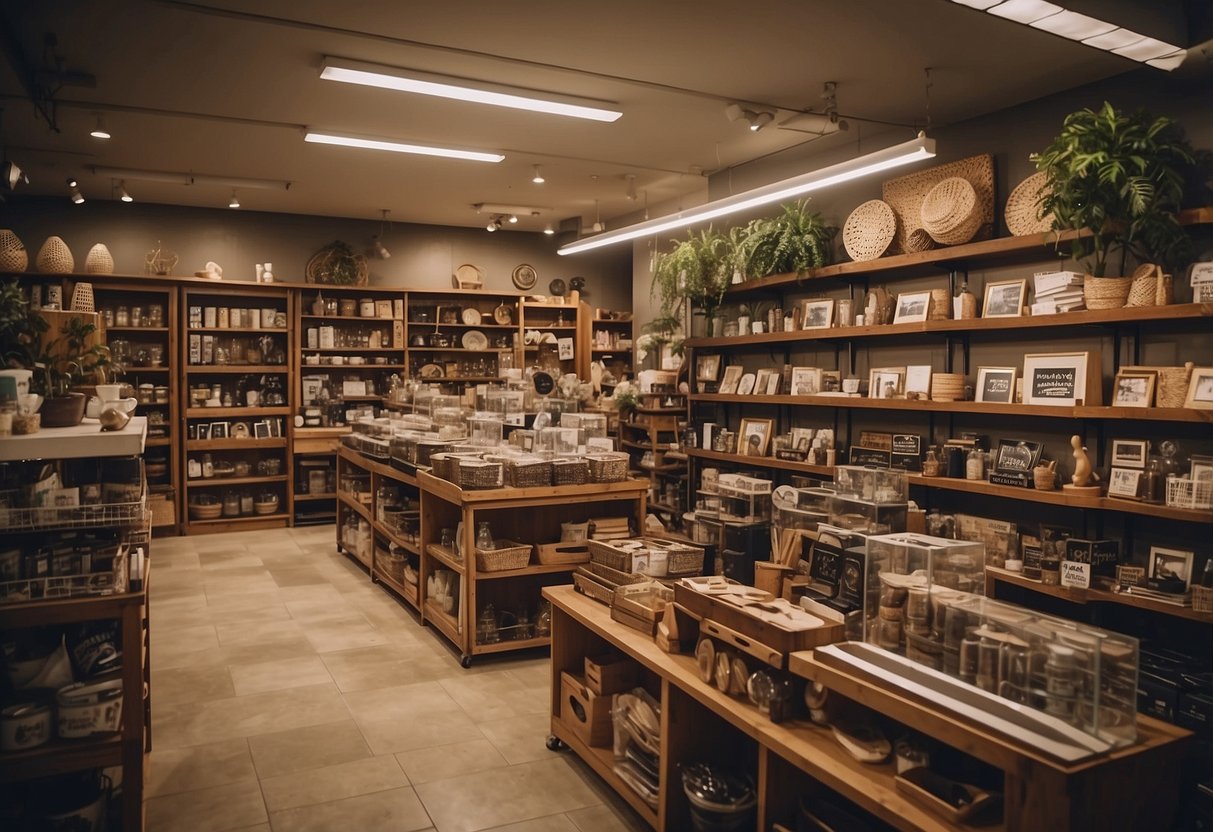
{"type": "Point", "coordinates": [513, 219]}
{"type": "Point", "coordinates": [548, 230]}
{"type": "Point", "coordinates": [537, 175]}
{"type": "Point", "coordinates": [73, 190]}
{"type": "Point", "coordinates": [72, 183]}
{"type": "Point", "coordinates": [760, 120]}
{"type": "Point", "coordinates": [494, 224]}
{"type": "Point", "coordinates": [122, 194]}
{"type": "Point", "coordinates": [235, 200]}
{"type": "Point", "coordinates": [378, 249]}
{"type": "Point", "coordinates": [631, 190]}
{"type": "Point", "coordinates": [599, 225]}
{"type": "Point", "coordinates": [756, 121]}
{"type": "Point", "coordinates": [99, 131]}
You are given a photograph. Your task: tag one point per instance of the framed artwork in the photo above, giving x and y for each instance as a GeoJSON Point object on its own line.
{"type": "Point", "coordinates": [818, 314]}
{"type": "Point", "coordinates": [204, 432]}
{"type": "Point", "coordinates": [261, 430]}
{"type": "Point", "coordinates": [1064, 379]}
{"type": "Point", "coordinates": [876, 440]}
{"type": "Point", "coordinates": [1004, 299]}
{"type": "Point", "coordinates": [1202, 467]}
{"type": "Point", "coordinates": [1170, 564]}
{"type": "Point", "coordinates": [773, 383]}
{"type": "Point", "coordinates": [912, 307]}
{"type": "Point", "coordinates": [996, 384]}
{"type": "Point", "coordinates": [886, 382]}
{"type": "Point", "coordinates": [707, 367]}
{"type": "Point", "coordinates": [1017, 456]}
{"type": "Point", "coordinates": [755, 436]}
{"type": "Point", "coordinates": [831, 381]}
{"type": "Point", "coordinates": [806, 381]}
{"type": "Point", "coordinates": [1130, 453]}
{"type": "Point", "coordinates": [1124, 483]}
{"type": "Point", "coordinates": [918, 379]}
{"type": "Point", "coordinates": [802, 438]}
{"type": "Point", "coordinates": [732, 375]}
{"type": "Point", "coordinates": [1200, 389]}
{"type": "Point", "coordinates": [1134, 388]}
{"type": "Point", "coordinates": [219, 430]}
{"type": "Point", "coordinates": [761, 379]}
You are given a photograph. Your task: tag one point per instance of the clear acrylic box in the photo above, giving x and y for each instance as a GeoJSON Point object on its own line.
{"type": "Point", "coordinates": [868, 517]}
{"type": "Point", "coordinates": [801, 508]}
{"type": "Point", "coordinates": [594, 424]}
{"type": "Point", "coordinates": [485, 429]}
{"type": "Point", "coordinates": [874, 485]}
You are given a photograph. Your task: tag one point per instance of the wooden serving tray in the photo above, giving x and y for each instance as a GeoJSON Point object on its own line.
{"type": "Point", "coordinates": [752, 628]}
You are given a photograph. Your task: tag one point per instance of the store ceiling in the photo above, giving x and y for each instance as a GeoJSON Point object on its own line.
{"type": "Point", "coordinates": [225, 88]}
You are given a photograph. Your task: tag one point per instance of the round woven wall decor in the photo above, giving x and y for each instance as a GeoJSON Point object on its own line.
{"type": "Point", "coordinates": [55, 257]}
{"type": "Point", "coordinates": [13, 256]}
{"type": "Point", "coordinates": [99, 260]}
{"type": "Point", "coordinates": [950, 212]}
{"type": "Point", "coordinates": [1023, 207]}
{"type": "Point", "coordinates": [869, 230]}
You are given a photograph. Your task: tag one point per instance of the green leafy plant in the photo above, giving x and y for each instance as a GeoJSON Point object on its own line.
{"type": "Point", "coordinates": [20, 329]}
{"type": "Point", "coordinates": [696, 271]}
{"type": "Point", "coordinates": [1123, 177]}
{"type": "Point", "coordinates": [68, 361]}
{"type": "Point", "coordinates": [794, 241]}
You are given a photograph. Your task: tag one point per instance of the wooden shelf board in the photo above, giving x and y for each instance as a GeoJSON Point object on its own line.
{"type": "Point", "coordinates": [234, 444]}
{"type": "Point", "coordinates": [248, 518]}
{"type": "Point", "coordinates": [306, 498]}
{"type": "Point", "coordinates": [60, 756]}
{"type": "Point", "coordinates": [449, 561]}
{"type": "Point", "coordinates": [531, 569]}
{"type": "Point", "coordinates": [408, 594]}
{"type": "Point", "coordinates": [1086, 596]}
{"type": "Point", "coordinates": [412, 548]}
{"type": "Point", "coordinates": [213, 369]}
{"type": "Point", "coordinates": [351, 349]}
{"type": "Point", "coordinates": [512, 645]}
{"type": "Point", "coordinates": [350, 503]}
{"type": "Point", "coordinates": [321, 433]}
{"type": "Point", "coordinates": [445, 623]}
{"type": "Point", "coordinates": [219, 330]}
{"type": "Point", "coordinates": [142, 330]}
{"type": "Point", "coordinates": [762, 462]}
{"type": "Point", "coordinates": [77, 442]}
{"type": "Point", "coordinates": [420, 325]}
{"type": "Point", "coordinates": [214, 482]}
{"type": "Point", "coordinates": [602, 761]}
{"type": "Point", "coordinates": [486, 350]}
{"type": "Point", "coordinates": [234, 412]}
{"type": "Point", "coordinates": [347, 317]}
{"type": "Point", "coordinates": [158, 441]}
{"type": "Point", "coordinates": [547, 494]}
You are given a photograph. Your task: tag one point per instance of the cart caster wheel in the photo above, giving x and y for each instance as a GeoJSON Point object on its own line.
{"type": "Point", "coordinates": [555, 744]}
{"type": "Point", "coordinates": [465, 662]}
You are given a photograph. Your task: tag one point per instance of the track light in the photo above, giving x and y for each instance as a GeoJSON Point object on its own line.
{"type": "Point", "coordinates": [235, 200]}
{"type": "Point", "coordinates": [378, 249]}
{"type": "Point", "coordinates": [536, 176]}
{"type": "Point", "coordinates": [760, 120]}
{"type": "Point", "coordinates": [99, 131]}
{"type": "Point", "coordinates": [756, 121]}
{"type": "Point", "coordinates": [513, 219]}
{"type": "Point", "coordinates": [122, 194]}
{"type": "Point", "coordinates": [77, 197]}
{"type": "Point", "coordinates": [548, 230]}
{"type": "Point", "coordinates": [72, 183]}
{"type": "Point", "coordinates": [494, 224]}
{"type": "Point", "coordinates": [73, 190]}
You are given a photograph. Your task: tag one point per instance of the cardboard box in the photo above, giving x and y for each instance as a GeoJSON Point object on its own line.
{"type": "Point", "coordinates": [588, 714]}
{"type": "Point", "coordinates": [612, 673]}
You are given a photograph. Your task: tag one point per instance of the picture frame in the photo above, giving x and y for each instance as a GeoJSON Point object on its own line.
{"type": "Point", "coordinates": [802, 438]}
{"type": "Point", "coordinates": [773, 383]}
{"type": "Point", "coordinates": [918, 380]}
{"type": "Point", "coordinates": [1200, 389]}
{"type": "Point", "coordinates": [1124, 483]}
{"type": "Point", "coordinates": [707, 367]}
{"type": "Point", "coordinates": [1129, 453]}
{"type": "Point", "coordinates": [755, 436]}
{"type": "Point", "coordinates": [1063, 379]}
{"type": "Point", "coordinates": [818, 314]}
{"type": "Point", "coordinates": [1134, 388]}
{"type": "Point", "coordinates": [275, 427]}
{"type": "Point", "coordinates": [261, 430]}
{"type": "Point", "coordinates": [219, 430]}
{"type": "Point", "coordinates": [732, 375]}
{"type": "Point", "coordinates": [996, 384]}
{"type": "Point", "coordinates": [1202, 467]}
{"type": "Point", "coordinates": [912, 307]}
{"type": "Point", "coordinates": [1017, 456]}
{"type": "Point", "coordinates": [1168, 564]}
{"type": "Point", "coordinates": [204, 432]}
{"type": "Point", "coordinates": [1004, 298]}
{"type": "Point", "coordinates": [806, 381]}
{"type": "Point", "coordinates": [876, 440]}
{"type": "Point", "coordinates": [831, 381]}
{"type": "Point", "coordinates": [886, 382]}
{"type": "Point", "coordinates": [761, 379]}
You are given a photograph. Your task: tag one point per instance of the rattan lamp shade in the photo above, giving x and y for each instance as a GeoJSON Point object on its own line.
{"type": "Point", "coordinates": [13, 256]}
{"type": "Point", "coordinates": [950, 212]}
{"type": "Point", "coordinates": [55, 257]}
{"type": "Point", "coordinates": [869, 230]}
{"type": "Point", "coordinates": [99, 260]}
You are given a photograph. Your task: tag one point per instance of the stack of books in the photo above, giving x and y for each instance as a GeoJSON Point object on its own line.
{"type": "Point", "coordinates": [1057, 292]}
{"type": "Point", "coordinates": [1179, 599]}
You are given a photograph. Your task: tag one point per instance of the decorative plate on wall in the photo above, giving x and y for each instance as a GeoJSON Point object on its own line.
{"type": "Point", "coordinates": [557, 287]}
{"type": "Point", "coordinates": [470, 316]}
{"type": "Point", "coordinates": [524, 277]}
{"type": "Point", "coordinates": [474, 339]}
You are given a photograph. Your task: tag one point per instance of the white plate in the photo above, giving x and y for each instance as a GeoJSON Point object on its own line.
{"type": "Point", "coordinates": [432, 371]}
{"type": "Point", "coordinates": [471, 317]}
{"type": "Point", "coordinates": [746, 386]}
{"type": "Point", "coordinates": [474, 339]}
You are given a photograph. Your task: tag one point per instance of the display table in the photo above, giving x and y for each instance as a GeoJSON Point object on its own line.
{"type": "Point", "coordinates": [1135, 787]}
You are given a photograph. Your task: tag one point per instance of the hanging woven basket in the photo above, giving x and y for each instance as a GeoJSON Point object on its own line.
{"type": "Point", "coordinates": [82, 298]}
{"type": "Point", "coordinates": [99, 260]}
{"type": "Point", "coordinates": [951, 213]}
{"type": "Point", "coordinates": [55, 257]}
{"type": "Point", "coordinates": [337, 264]}
{"type": "Point", "coordinates": [13, 256]}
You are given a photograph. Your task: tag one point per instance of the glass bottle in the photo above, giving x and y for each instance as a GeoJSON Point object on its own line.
{"type": "Point", "coordinates": [975, 465]}
{"type": "Point", "coordinates": [968, 302]}
{"type": "Point", "coordinates": [318, 305]}
{"type": "Point", "coordinates": [208, 466]}
{"type": "Point", "coordinates": [484, 535]}
{"type": "Point", "coordinates": [930, 465]}
{"type": "Point", "coordinates": [486, 626]}
{"type": "Point", "coordinates": [543, 620]}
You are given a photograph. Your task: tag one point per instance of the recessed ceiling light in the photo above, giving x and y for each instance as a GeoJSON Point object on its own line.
{"type": "Point", "coordinates": [462, 89]}
{"type": "Point", "coordinates": [1073, 25]}
{"type": "Point", "coordinates": [548, 230]}
{"type": "Point", "coordinates": [401, 147]}
{"type": "Point", "coordinates": [1146, 49]}
{"type": "Point", "coordinates": [537, 175]}
{"type": "Point", "coordinates": [1025, 11]}
{"type": "Point", "coordinates": [1114, 39]}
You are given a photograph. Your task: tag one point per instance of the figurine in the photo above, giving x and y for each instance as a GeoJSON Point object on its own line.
{"type": "Point", "coordinates": [1083, 475]}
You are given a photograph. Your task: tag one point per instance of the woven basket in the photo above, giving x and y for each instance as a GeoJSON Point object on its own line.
{"type": "Point", "coordinates": [82, 298]}
{"type": "Point", "coordinates": [951, 213]}
{"type": "Point", "coordinates": [947, 387]}
{"type": "Point", "coordinates": [477, 473]}
{"type": "Point", "coordinates": [13, 256]}
{"type": "Point", "coordinates": [1150, 287]}
{"type": "Point", "coordinates": [329, 266]}
{"type": "Point", "coordinates": [941, 305]}
{"type": "Point", "coordinates": [573, 471]}
{"type": "Point", "coordinates": [528, 473]}
{"type": "Point", "coordinates": [1202, 599]}
{"type": "Point", "coordinates": [1022, 213]}
{"type": "Point", "coordinates": [1105, 292]}
{"type": "Point", "coordinates": [1172, 388]}
{"type": "Point", "coordinates": [905, 194]}
{"type": "Point", "coordinates": [99, 260]}
{"type": "Point", "coordinates": [509, 555]}
{"type": "Point", "coordinates": [55, 257]}
{"type": "Point", "coordinates": [919, 240]}
{"type": "Point", "coordinates": [608, 467]}
{"type": "Point", "coordinates": [869, 230]}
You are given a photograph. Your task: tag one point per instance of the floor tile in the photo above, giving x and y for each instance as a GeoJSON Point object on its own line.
{"type": "Point", "coordinates": [519, 739]}
{"type": "Point", "coordinates": [398, 810]}
{"type": "Point", "coordinates": [605, 818]}
{"type": "Point", "coordinates": [187, 769]}
{"type": "Point", "coordinates": [382, 666]}
{"type": "Point", "coordinates": [321, 785]}
{"type": "Point", "coordinates": [425, 765]}
{"type": "Point", "coordinates": [342, 635]}
{"type": "Point", "coordinates": [300, 749]}
{"type": "Point", "coordinates": [245, 716]}
{"type": "Point", "coordinates": [191, 683]}
{"type": "Point", "coordinates": [419, 700]}
{"type": "Point", "coordinates": [495, 695]}
{"type": "Point", "coordinates": [278, 675]}
{"type": "Point", "coordinates": [297, 576]}
{"type": "Point", "coordinates": [207, 810]}
{"type": "Point", "coordinates": [551, 823]}
{"type": "Point", "coordinates": [408, 731]}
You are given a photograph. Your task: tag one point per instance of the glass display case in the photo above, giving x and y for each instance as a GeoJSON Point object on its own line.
{"type": "Point", "coordinates": [866, 516]}
{"type": "Point", "coordinates": [873, 485]}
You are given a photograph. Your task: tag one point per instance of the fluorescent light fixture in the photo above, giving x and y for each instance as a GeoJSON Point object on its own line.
{"type": "Point", "coordinates": [401, 147]}
{"type": "Point", "coordinates": [122, 194]}
{"type": "Point", "coordinates": [1115, 39]}
{"type": "Point", "coordinates": [891, 157]}
{"type": "Point", "coordinates": [1169, 62]}
{"type": "Point", "coordinates": [462, 89]}
{"type": "Point", "coordinates": [537, 175]}
{"type": "Point", "coordinates": [189, 178]}
{"type": "Point", "coordinates": [1146, 49]}
{"type": "Point", "coordinates": [1025, 11]}
{"type": "Point", "coordinates": [503, 208]}
{"type": "Point", "coordinates": [1073, 25]}
{"type": "Point", "coordinates": [980, 5]}
{"type": "Point", "coordinates": [99, 131]}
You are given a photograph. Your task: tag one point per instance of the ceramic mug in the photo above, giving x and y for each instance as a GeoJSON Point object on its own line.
{"type": "Point", "coordinates": [21, 378]}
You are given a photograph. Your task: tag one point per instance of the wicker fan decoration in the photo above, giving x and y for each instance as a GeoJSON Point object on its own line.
{"type": "Point", "coordinates": [1022, 213]}
{"type": "Point", "coordinates": [869, 230]}
{"type": "Point", "coordinates": [338, 265]}
{"type": "Point", "coordinates": [951, 212]}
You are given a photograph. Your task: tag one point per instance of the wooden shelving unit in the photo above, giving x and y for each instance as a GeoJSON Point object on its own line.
{"type": "Point", "coordinates": [434, 314]}
{"type": "Point", "coordinates": [562, 321]}
{"type": "Point", "coordinates": [613, 342]}
{"type": "Point", "coordinates": [650, 439]}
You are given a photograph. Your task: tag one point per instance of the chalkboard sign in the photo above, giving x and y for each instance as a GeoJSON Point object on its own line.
{"type": "Point", "coordinates": [870, 456]}
{"type": "Point", "coordinates": [906, 451]}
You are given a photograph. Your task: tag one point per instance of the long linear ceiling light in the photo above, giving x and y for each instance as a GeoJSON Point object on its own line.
{"type": "Point", "coordinates": [400, 147]}
{"type": "Point", "coordinates": [189, 178]}
{"type": "Point", "coordinates": [1090, 31]}
{"type": "Point", "coordinates": [891, 157]}
{"type": "Point", "coordinates": [443, 86]}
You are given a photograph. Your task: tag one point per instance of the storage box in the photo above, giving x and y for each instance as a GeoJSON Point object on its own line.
{"type": "Point", "coordinates": [587, 713]}
{"type": "Point", "coordinates": [612, 673]}
{"type": "Point", "coordinates": [867, 517]}
{"type": "Point", "coordinates": [874, 485]}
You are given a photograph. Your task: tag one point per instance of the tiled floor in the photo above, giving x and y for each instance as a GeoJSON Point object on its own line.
{"type": "Point", "coordinates": [289, 693]}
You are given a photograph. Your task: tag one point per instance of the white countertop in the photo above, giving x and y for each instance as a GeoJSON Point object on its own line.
{"type": "Point", "coordinates": [84, 440]}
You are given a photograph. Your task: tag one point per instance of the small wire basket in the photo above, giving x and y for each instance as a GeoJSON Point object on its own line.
{"type": "Point", "coordinates": [570, 472]}
{"type": "Point", "coordinates": [1183, 492]}
{"type": "Point", "coordinates": [608, 467]}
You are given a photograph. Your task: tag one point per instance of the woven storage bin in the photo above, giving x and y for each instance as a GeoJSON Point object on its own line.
{"type": "Point", "coordinates": [613, 576]}
{"type": "Point", "coordinates": [82, 298]}
{"type": "Point", "coordinates": [919, 240]}
{"type": "Point", "coordinates": [205, 511]}
{"type": "Point", "coordinates": [528, 473]}
{"type": "Point", "coordinates": [1150, 287]}
{"type": "Point", "coordinates": [509, 555]}
{"type": "Point", "coordinates": [947, 387]}
{"type": "Point", "coordinates": [592, 587]}
{"type": "Point", "coordinates": [13, 256]}
{"type": "Point", "coordinates": [99, 260]}
{"type": "Point", "coordinates": [1172, 388]}
{"type": "Point", "coordinates": [608, 467]}
{"type": "Point", "coordinates": [445, 466]}
{"type": "Point", "coordinates": [162, 507]}
{"type": "Point", "coordinates": [573, 471]}
{"type": "Point", "coordinates": [479, 474]}
{"type": "Point", "coordinates": [1105, 292]}
{"type": "Point", "coordinates": [950, 212]}
{"type": "Point", "coordinates": [682, 559]}
{"type": "Point", "coordinates": [1022, 212]}
{"type": "Point", "coordinates": [55, 257]}
{"type": "Point", "coordinates": [606, 554]}
{"type": "Point", "coordinates": [869, 230]}
{"type": "Point", "coordinates": [1202, 599]}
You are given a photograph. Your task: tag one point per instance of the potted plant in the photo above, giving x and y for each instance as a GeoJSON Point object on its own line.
{"type": "Point", "coordinates": [20, 332]}
{"type": "Point", "coordinates": [657, 333]}
{"type": "Point", "coordinates": [69, 362]}
{"type": "Point", "coordinates": [1122, 177]}
{"type": "Point", "coordinates": [696, 272]}
{"type": "Point", "coordinates": [795, 241]}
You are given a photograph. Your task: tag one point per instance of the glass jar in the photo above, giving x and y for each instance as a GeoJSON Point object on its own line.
{"type": "Point", "coordinates": [246, 502]}
{"type": "Point", "coordinates": [122, 317]}
{"type": "Point", "coordinates": [930, 465]}
{"type": "Point", "coordinates": [486, 626]}
{"type": "Point", "coordinates": [484, 536]}
{"type": "Point", "coordinates": [231, 504]}
{"type": "Point", "coordinates": [975, 465]}
{"type": "Point", "coordinates": [155, 315]}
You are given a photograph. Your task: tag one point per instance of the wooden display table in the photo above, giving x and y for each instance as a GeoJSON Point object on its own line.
{"type": "Point", "coordinates": [1135, 787]}
{"type": "Point", "coordinates": [524, 515]}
